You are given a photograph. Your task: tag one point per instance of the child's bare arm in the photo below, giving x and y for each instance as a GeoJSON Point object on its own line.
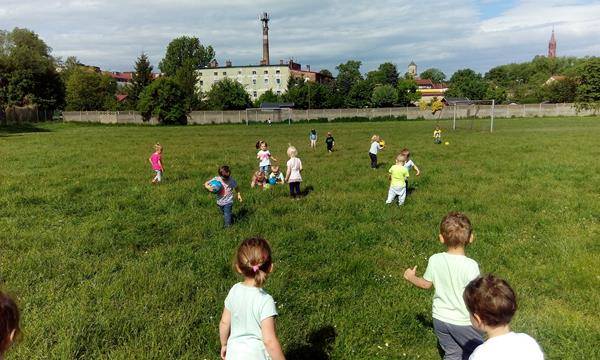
{"type": "Point", "coordinates": [417, 170]}
{"type": "Point", "coordinates": [411, 276]}
{"type": "Point", "coordinates": [270, 339]}
{"type": "Point", "coordinates": [207, 186]}
{"type": "Point", "coordinates": [273, 158]}
{"type": "Point", "coordinates": [224, 328]}
{"type": "Point", "coordinates": [287, 174]}
{"type": "Point", "coordinates": [239, 194]}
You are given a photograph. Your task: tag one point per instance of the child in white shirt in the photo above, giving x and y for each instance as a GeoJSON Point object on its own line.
{"type": "Point", "coordinates": [492, 303]}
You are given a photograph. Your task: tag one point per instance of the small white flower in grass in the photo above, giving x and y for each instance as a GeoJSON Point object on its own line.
{"type": "Point", "coordinates": [379, 347]}
{"type": "Point", "coordinates": [387, 345]}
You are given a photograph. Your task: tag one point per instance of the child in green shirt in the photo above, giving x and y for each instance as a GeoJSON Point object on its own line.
{"type": "Point", "coordinates": [398, 176]}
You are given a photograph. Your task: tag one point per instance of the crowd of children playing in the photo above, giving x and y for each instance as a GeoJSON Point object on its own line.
{"type": "Point", "coordinates": [465, 306]}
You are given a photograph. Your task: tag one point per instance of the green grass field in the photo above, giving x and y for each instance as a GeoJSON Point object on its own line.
{"type": "Point", "coordinates": [104, 265]}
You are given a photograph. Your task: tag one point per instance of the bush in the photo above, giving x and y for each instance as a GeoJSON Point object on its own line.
{"type": "Point", "coordinates": [165, 100]}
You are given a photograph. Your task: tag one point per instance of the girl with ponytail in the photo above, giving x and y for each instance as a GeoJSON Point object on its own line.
{"type": "Point", "coordinates": [247, 328]}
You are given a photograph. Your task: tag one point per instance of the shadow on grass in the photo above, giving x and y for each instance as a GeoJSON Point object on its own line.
{"type": "Point", "coordinates": [6, 130]}
{"type": "Point", "coordinates": [307, 190]}
{"type": "Point", "coordinates": [242, 215]}
{"type": "Point", "coordinates": [320, 344]}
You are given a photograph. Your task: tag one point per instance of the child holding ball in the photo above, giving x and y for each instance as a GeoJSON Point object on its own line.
{"type": "Point", "coordinates": [247, 327]}
{"type": "Point", "coordinates": [293, 176]}
{"type": "Point", "coordinates": [225, 194]}
{"type": "Point", "coordinates": [375, 147]}
{"type": "Point", "coordinates": [492, 303]}
{"type": "Point", "coordinates": [156, 162]}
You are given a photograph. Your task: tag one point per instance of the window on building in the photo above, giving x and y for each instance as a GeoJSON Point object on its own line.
{"type": "Point", "coordinates": [253, 72]}
{"type": "Point", "coordinates": [278, 81]}
{"type": "Point", "coordinates": [266, 72]}
{"type": "Point", "coordinates": [278, 92]}
{"type": "Point", "coordinates": [266, 81]}
{"type": "Point", "coordinates": [239, 72]}
{"type": "Point", "coordinates": [199, 74]}
{"type": "Point", "coordinates": [277, 72]}
{"type": "Point", "coordinates": [224, 72]}
{"type": "Point", "coordinates": [253, 81]}
{"type": "Point", "coordinates": [201, 82]}
{"type": "Point", "coordinates": [254, 94]}
{"type": "Point", "coordinates": [216, 73]}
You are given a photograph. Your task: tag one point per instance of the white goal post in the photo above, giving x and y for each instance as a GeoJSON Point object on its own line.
{"type": "Point", "coordinates": [472, 109]}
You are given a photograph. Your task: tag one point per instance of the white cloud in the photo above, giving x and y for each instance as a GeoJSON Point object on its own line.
{"type": "Point", "coordinates": [446, 34]}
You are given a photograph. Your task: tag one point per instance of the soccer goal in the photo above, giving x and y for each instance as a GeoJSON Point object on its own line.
{"type": "Point", "coordinates": [270, 113]}
{"type": "Point", "coordinates": [475, 115]}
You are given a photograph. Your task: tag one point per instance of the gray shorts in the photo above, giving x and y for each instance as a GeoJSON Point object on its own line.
{"type": "Point", "coordinates": [458, 342]}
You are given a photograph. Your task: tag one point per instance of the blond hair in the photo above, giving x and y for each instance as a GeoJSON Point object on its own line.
{"type": "Point", "coordinates": [374, 138]}
{"type": "Point", "coordinates": [401, 158]}
{"type": "Point", "coordinates": [158, 147]}
{"type": "Point", "coordinates": [456, 229]}
{"type": "Point", "coordinates": [253, 259]}
{"type": "Point", "coordinates": [292, 151]}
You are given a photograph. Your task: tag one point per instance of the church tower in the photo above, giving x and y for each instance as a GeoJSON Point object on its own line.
{"type": "Point", "coordinates": [552, 46]}
{"type": "Point", "coordinates": [412, 69]}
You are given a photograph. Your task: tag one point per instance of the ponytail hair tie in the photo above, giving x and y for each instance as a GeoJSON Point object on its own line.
{"type": "Point", "coordinates": [255, 268]}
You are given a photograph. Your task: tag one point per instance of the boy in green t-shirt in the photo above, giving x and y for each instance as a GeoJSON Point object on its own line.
{"type": "Point", "coordinates": [398, 176]}
{"type": "Point", "coordinates": [449, 273]}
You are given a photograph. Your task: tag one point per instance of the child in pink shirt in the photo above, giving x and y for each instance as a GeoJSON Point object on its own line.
{"type": "Point", "coordinates": [156, 162]}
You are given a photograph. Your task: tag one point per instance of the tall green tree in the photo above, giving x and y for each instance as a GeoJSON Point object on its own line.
{"type": "Point", "coordinates": [408, 93]}
{"type": "Point", "coordinates": [88, 90]}
{"type": "Point", "coordinates": [433, 74]}
{"type": "Point", "coordinates": [561, 91]}
{"type": "Point", "coordinates": [384, 96]}
{"type": "Point", "coordinates": [28, 71]}
{"type": "Point", "coordinates": [164, 100]}
{"type": "Point", "coordinates": [467, 83]}
{"type": "Point", "coordinates": [142, 77]}
{"type": "Point", "coordinates": [360, 94]}
{"type": "Point", "coordinates": [348, 76]}
{"type": "Point", "coordinates": [185, 55]}
{"type": "Point", "coordinates": [267, 97]}
{"type": "Point", "coordinates": [228, 94]}
{"type": "Point", "coordinates": [588, 92]}
{"type": "Point", "coordinates": [186, 51]}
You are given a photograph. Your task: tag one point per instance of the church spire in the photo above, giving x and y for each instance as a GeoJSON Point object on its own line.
{"type": "Point", "coordinates": [552, 46]}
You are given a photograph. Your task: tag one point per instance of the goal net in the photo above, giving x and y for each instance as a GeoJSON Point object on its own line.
{"type": "Point", "coordinates": [477, 115]}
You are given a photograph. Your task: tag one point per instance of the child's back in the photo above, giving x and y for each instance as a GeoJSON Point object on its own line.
{"type": "Point", "coordinates": [450, 274]}
{"type": "Point", "coordinates": [249, 306]}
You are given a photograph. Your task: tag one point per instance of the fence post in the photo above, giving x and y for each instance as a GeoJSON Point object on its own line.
{"type": "Point", "coordinates": [540, 110]}
{"type": "Point", "coordinates": [523, 110]}
{"type": "Point", "coordinates": [222, 117]}
{"type": "Point", "coordinates": [239, 117]}
{"type": "Point", "coordinates": [80, 120]}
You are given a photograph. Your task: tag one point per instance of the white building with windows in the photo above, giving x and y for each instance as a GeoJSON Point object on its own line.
{"type": "Point", "coordinates": [256, 79]}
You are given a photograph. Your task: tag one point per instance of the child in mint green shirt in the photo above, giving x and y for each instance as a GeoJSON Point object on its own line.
{"type": "Point", "coordinates": [247, 327]}
{"type": "Point", "coordinates": [449, 273]}
{"type": "Point", "coordinates": [398, 175]}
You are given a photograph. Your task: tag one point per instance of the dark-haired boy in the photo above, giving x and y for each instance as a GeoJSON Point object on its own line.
{"type": "Point", "coordinates": [449, 272]}
{"type": "Point", "coordinates": [492, 303]}
{"type": "Point", "coordinates": [225, 195]}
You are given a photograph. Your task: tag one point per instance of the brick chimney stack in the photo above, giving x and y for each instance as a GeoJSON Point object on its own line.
{"type": "Point", "coordinates": [265, 30]}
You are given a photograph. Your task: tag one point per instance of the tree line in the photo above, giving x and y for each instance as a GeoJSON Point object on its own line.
{"type": "Point", "coordinates": [30, 75]}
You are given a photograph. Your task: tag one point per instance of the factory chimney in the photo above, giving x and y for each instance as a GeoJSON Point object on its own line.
{"type": "Point", "coordinates": [265, 30]}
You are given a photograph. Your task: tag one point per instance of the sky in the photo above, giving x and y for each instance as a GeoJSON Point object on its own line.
{"type": "Point", "coordinates": [449, 35]}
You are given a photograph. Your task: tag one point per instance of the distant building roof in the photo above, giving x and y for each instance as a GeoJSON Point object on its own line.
{"type": "Point", "coordinates": [121, 97]}
{"type": "Point", "coordinates": [276, 106]}
{"type": "Point", "coordinates": [458, 101]}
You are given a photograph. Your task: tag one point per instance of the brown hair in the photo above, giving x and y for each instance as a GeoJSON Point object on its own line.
{"type": "Point", "coordinates": [253, 259]}
{"type": "Point", "coordinates": [406, 153]}
{"type": "Point", "coordinates": [492, 299]}
{"type": "Point", "coordinates": [456, 229]}
{"type": "Point", "coordinates": [9, 321]}
{"type": "Point", "coordinates": [224, 171]}
{"type": "Point", "coordinates": [401, 158]}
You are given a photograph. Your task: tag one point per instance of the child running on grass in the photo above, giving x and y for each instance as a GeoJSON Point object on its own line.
{"type": "Point", "coordinates": [156, 162]}
{"type": "Point", "coordinates": [449, 273]}
{"type": "Point", "coordinates": [330, 142]}
{"type": "Point", "coordinates": [437, 135]}
{"type": "Point", "coordinates": [294, 168]}
{"type": "Point", "coordinates": [398, 176]}
{"type": "Point", "coordinates": [259, 179]}
{"type": "Point", "coordinates": [375, 147]}
{"type": "Point", "coordinates": [492, 303]}
{"type": "Point", "coordinates": [9, 323]}
{"type": "Point", "coordinates": [225, 194]}
{"type": "Point", "coordinates": [247, 327]}
{"type": "Point", "coordinates": [265, 157]}
{"type": "Point", "coordinates": [313, 138]}
{"type": "Point", "coordinates": [409, 164]}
